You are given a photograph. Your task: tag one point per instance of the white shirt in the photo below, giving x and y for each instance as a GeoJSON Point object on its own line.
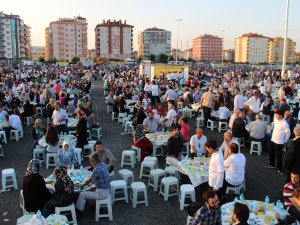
{"type": "Point", "coordinates": [224, 113]}
{"type": "Point", "coordinates": [3, 115]}
{"type": "Point", "coordinates": [170, 115]}
{"type": "Point", "coordinates": [235, 169]}
{"type": "Point", "coordinates": [239, 102]}
{"type": "Point", "coordinates": [281, 132]}
{"type": "Point", "coordinates": [15, 122]}
{"type": "Point", "coordinates": [198, 143]}
{"type": "Point", "coordinates": [216, 170]}
{"type": "Point", "coordinates": [154, 90]}
{"type": "Point", "coordinates": [253, 104]}
{"type": "Point", "coordinates": [147, 87]}
{"type": "Point", "coordinates": [59, 115]}
{"type": "Point", "coordinates": [224, 147]}
{"type": "Point", "coordinates": [170, 95]}
{"type": "Point", "coordinates": [232, 118]}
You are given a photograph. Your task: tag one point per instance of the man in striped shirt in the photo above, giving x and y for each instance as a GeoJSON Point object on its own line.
{"type": "Point", "coordinates": [289, 203]}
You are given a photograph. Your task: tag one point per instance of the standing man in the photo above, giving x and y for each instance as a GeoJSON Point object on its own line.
{"type": "Point", "coordinates": [170, 95]}
{"type": "Point", "coordinates": [206, 103]}
{"type": "Point", "coordinates": [59, 118]}
{"type": "Point", "coordinates": [238, 101]}
{"type": "Point", "coordinates": [280, 136]}
{"type": "Point", "coordinates": [210, 213]}
{"type": "Point", "coordinates": [197, 143]}
{"type": "Point", "coordinates": [253, 105]}
{"type": "Point", "coordinates": [216, 167]}
{"type": "Point", "coordinates": [167, 122]}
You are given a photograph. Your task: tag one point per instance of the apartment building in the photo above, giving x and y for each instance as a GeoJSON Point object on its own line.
{"type": "Point", "coordinates": [251, 48]}
{"type": "Point", "coordinates": [154, 41]}
{"type": "Point", "coordinates": [228, 55]}
{"type": "Point", "coordinates": [114, 39]}
{"type": "Point", "coordinates": [67, 38]}
{"type": "Point", "coordinates": [207, 48]}
{"type": "Point", "coordinates": [37, 51]}
{"type": "Point", "coordinates": [15, 39]}
{"type": "Point", "coordinates": [276, 45]}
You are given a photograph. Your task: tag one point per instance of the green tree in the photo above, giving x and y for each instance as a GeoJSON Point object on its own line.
{"type": "Point", "coordinates": [75, 59]}
{"type": "Point", "coordinates": [152, 58]}
{"type": "Point", "coordinates": [41, 59]}
{"type": "Point", "coordinates": [171, 58]}
{"type": "Point", "coordinates": [162, 58]}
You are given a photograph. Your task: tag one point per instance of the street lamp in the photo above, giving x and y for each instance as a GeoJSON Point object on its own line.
{"type": "Point", "coordinates": [223, 31]}
{"type": "Point", "coordinates": [285, 39]}
{"type": "Point", "coordinates": [178, 20]}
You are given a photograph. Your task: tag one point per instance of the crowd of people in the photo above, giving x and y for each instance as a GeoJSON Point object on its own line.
{"type": "Point", "coordinates": [246, 98]}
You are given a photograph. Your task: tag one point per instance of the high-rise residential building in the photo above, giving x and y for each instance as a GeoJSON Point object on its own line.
{"type": "Point", "coordinates": [67, 38]}
{"type": "Point", "coordinates": [297, 57]}
{"type": "Point", "coordinates": [207, 48]}
{"type": "Point", "coordinates": [276, 50]}
{"type": "Point", "coordinates": [92, 54]}
{"type": "Point", "coordinates": [188, 54]}
{"type": "Point", "coordinates": [228, 55]}
{"type": "Point", "coordinates": [251, 48]}
{"type": "Point", "coordinates": [37, 51]}
{"type": "Point", "coordinates": [179, 52]}
{"type": "Point", "coordinates": [114, 39]}
{"type": "Point", "coordinates": [154, 41]}
{"type": "Point", "coordinates": [15, 39]}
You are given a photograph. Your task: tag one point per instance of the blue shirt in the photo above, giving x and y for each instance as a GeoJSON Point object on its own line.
{"type": "Point", "coordinates": [100, 176]}
{"type": "Point", "coordinates": [206, 216]}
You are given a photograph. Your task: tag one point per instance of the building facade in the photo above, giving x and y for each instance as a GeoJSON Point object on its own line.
{"type": "Point", "coordinates": [15, 39]}
{"type": "Point", "coordinates": [37, 51]}
{"type": "Point", "coordinates": [179, 52]}
{"type": "Point", "coordinates": [114, 40]}
{"type": "Point", "coordinates": [228, 55]}
{"type": "Point", "coordinates": [154, 41]}
{"type": "Point", "coordinates": [207, 48]}
{"type": "Point", "coordinates": [67, 38]}
{"type": "Point", "coordinates": [188, 54]}
{"type": "Point", "coordinates": [276, 46]}
{"type": "Point", "coordinates": [251, 48]}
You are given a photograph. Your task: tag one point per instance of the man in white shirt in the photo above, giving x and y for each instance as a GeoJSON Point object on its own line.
{"type": "Point", "coordinates": [170, 95]}
{"type": "Point", "coordinates": [253, 105]}
{"type": "Point", "coordinates": [228, 140]}
{"type": "Point", "coordinates": [224, 113]}
{"type": "Point", "coordinates": [216, 167]}
{"type": "Point", "coordinates": [233, 117]}
{"type": "Point", "coordinates": [197, 143]}
{"type": "Point", "coordinates": [238, 101]}
{"type": "Point", "coordinates": [59, 118]}
{"type": "Point", "coordinates": [169, 117]}
{"type": "Point", "coordinates": [280, 136]}
{"type": "Point", "coordinates": [14, 122]}
{"type": "Point", "coordinates": [234, 163]}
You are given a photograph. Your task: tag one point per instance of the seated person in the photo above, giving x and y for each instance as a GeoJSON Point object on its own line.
{"type": "Point", "coordinates": [105, 155]}
{"type": "Point", "coordinates": [100, 177]}
{"type": "Point", "coordinates": [239, 127]}
{"type": "Point", "coordinates": [35, 191]}
{"type": "Point", "coordinates": [228, 140]}
{"type": "Point", "coordinates": [175, 144]}
{"type": "Point", "coordinates": [233, 117]}
{"type": "Point", "coordinates": [185, 128]}
{"type": "Point", "coordinates": [71, 109]}
{"type": "Point", "coordinates": [224, 113]}
{"type": "Point", "coordinates": [290, 204]}
{"type": "Point", "coordinates": [140, 141]}
{"type": "Point", "coordinates": [197, 143]}
{"type": "Point", "coordinates": [257, 129]}
{"type": "Point", "coordinates": [28, 109]}
{"type": "Point", "coordinates": [66, 156]}
{"type": "Point", "coordinates": [52, 139]}
{"type": "Point", "coordinates": [14, 122]}
{"type": "Point", "coordinates": [210, 213]}
{"type": "Point", "coordinates": [63, 195]}
{"type": "Point", "coordinates": [240, 214]}
{"type": "Point", "coordinates": [234, 163]}
{"type": "Point", "coordinates": [150, 123]}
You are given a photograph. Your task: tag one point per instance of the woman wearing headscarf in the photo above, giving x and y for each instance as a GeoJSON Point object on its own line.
{"type": "Point", "coordinates": [66, 156]}
{"type": "Point", "coordinates": [35, 191]}
{"type": "Point", "coordinates": [63, 195]}
{"type": "Point", "coordinates": [140, 141]}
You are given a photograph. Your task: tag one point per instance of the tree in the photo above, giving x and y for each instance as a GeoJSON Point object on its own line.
{"type": "Point", "coordinates": [152, 58]}
{"type": "Point", "coordinates": [41, 59]}
{"type": "Point", "coordinates": [171, 58]}
{"type": "Point", "coordinates": [162, 58]}
{"type": "Point", "coordinates": [75, 59]}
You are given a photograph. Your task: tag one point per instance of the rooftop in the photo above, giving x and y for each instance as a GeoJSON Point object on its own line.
{"type": "Point", "coordinates": [114, 23]}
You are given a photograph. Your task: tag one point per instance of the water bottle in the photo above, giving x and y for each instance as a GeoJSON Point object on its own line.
{"type": "Point", "coordinates": [81, 167]}
{"type": "Point", "coordinates": [235, 199]}
{"type": "Point", "coordinates": [267, 199]}
{"type": "Point", "coordinates": [199, 154]}
{"type": "Point", "coordinates": [38, 214]}
{"type": "Point", "coordinates": [242, 197]}
{"type": "Point", "coordinates": [278, 204]}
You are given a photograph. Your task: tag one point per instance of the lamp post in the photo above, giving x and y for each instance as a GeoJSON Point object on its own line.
{"type": "Point", "coordinates": [178, 20]}
{"type": "Point", "coordinates": [285, 39]}
{"type": "Point", "coordinates": [223, 31]}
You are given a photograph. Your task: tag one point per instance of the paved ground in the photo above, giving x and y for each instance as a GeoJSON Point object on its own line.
{"type": "Point", "coordinates": [259, 181]}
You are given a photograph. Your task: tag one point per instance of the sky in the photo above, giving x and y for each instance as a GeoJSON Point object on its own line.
{"type": "Point", "coordinates": [237, 17]}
